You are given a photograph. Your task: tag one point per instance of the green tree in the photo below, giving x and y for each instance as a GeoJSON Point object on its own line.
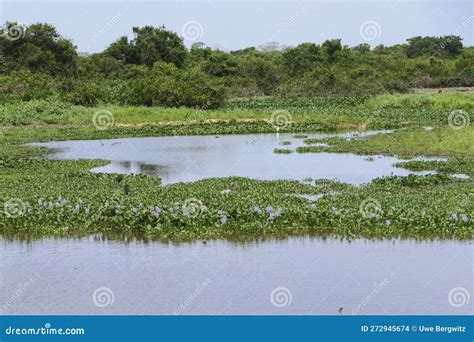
{"type": "Point", "coordinates": [303, 58]}
{"type": "Point", "coordinates": [158, 44]}
{"type": "Point", "coordinates": [40, 48]}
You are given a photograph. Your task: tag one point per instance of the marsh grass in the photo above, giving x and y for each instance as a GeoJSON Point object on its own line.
{"type": "Point", "coordinates": [406, 143]}
{"type": "Point", "coordinates": [339, 112]}
{"type": "Point", "coordinates": [282, 151]}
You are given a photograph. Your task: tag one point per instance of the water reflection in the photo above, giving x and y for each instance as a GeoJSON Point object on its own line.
{"type": "Point", "coordinates": [135, 167]}
{"type": "Point", "coordinates": [322, 275]}
{"type": "Point", "coordinates": [191, 158]}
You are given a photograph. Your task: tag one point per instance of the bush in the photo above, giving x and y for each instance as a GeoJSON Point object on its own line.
{"type": "Point", "coordinates": [168, 86]}
{"type": "Point", "coordinates": [25, 86]}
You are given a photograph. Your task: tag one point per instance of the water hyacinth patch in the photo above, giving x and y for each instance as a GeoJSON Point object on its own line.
{"type": "Point", "coordinates": [282, 151]}
{"type": "Point", "coordinates": [65, 198]}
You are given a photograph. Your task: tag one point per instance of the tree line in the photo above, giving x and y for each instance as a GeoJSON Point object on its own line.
{"type": "Point", "coordinates": [156, 69]}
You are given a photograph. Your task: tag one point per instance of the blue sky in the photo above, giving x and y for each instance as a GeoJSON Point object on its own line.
{"type": "Point", "coordinates": [230, 25]}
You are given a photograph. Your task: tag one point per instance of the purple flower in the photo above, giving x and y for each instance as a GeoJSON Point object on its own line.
{"type": "Point", "coordinates": [224, 219]}
{"type": "Point", "coordinates": [388, 222]}
{"type": "Point", "coordinates": [454, 216]}
{"type": "Point", "coordinates": [155, 211]}
{"type": "Point", "coordinates": [464, 218]}
{"type": "Point", "coordinates": [269, 209]}
{"type": "Point", "coordinates": [257, 210]}
{"type": "Point", "coordinates": [278, 212]}
{"type": "Point", "coordinates": [134, 210]}
{"type": "Point", "coordinates": [313, 206]}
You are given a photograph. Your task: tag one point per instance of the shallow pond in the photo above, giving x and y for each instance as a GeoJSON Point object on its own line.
{"type": "Point", "coordinates": [305, 275]}
{"type": "Point", "coordinates": [292, 276]}
{"type": "Point", "coordinates": [191, 158]}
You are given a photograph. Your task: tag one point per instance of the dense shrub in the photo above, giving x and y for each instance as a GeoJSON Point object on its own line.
{"type": "Point", "coordinates": [168, 86]}
{"type": "Point", "coordinates": [23, 113]}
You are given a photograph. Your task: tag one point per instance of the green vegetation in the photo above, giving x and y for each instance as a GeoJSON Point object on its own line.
{"type": "Point", "coordinates": [153, 86]}
{"type": "Point", "coordinates": [156, 69]}
{"type": "Point", "coordinates": [353, 113]}
{"type": "Point", "coordinates": [463, 166]}
{"type": "Point", "coordinates": [444, 141]}
{"type": "Point", "coordinates": [282, 151]}
{"type": "Point", "coordinates": [64, 198]}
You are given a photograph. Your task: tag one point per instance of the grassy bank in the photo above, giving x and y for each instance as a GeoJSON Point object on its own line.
{"type": "Point", "coordinates": [444, 141]}
{"type": "Point", "coordinates": [372, 112]}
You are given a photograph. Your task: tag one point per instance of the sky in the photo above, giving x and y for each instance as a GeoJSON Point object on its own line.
{"type": "Point", "coordinates": [232, 25]}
